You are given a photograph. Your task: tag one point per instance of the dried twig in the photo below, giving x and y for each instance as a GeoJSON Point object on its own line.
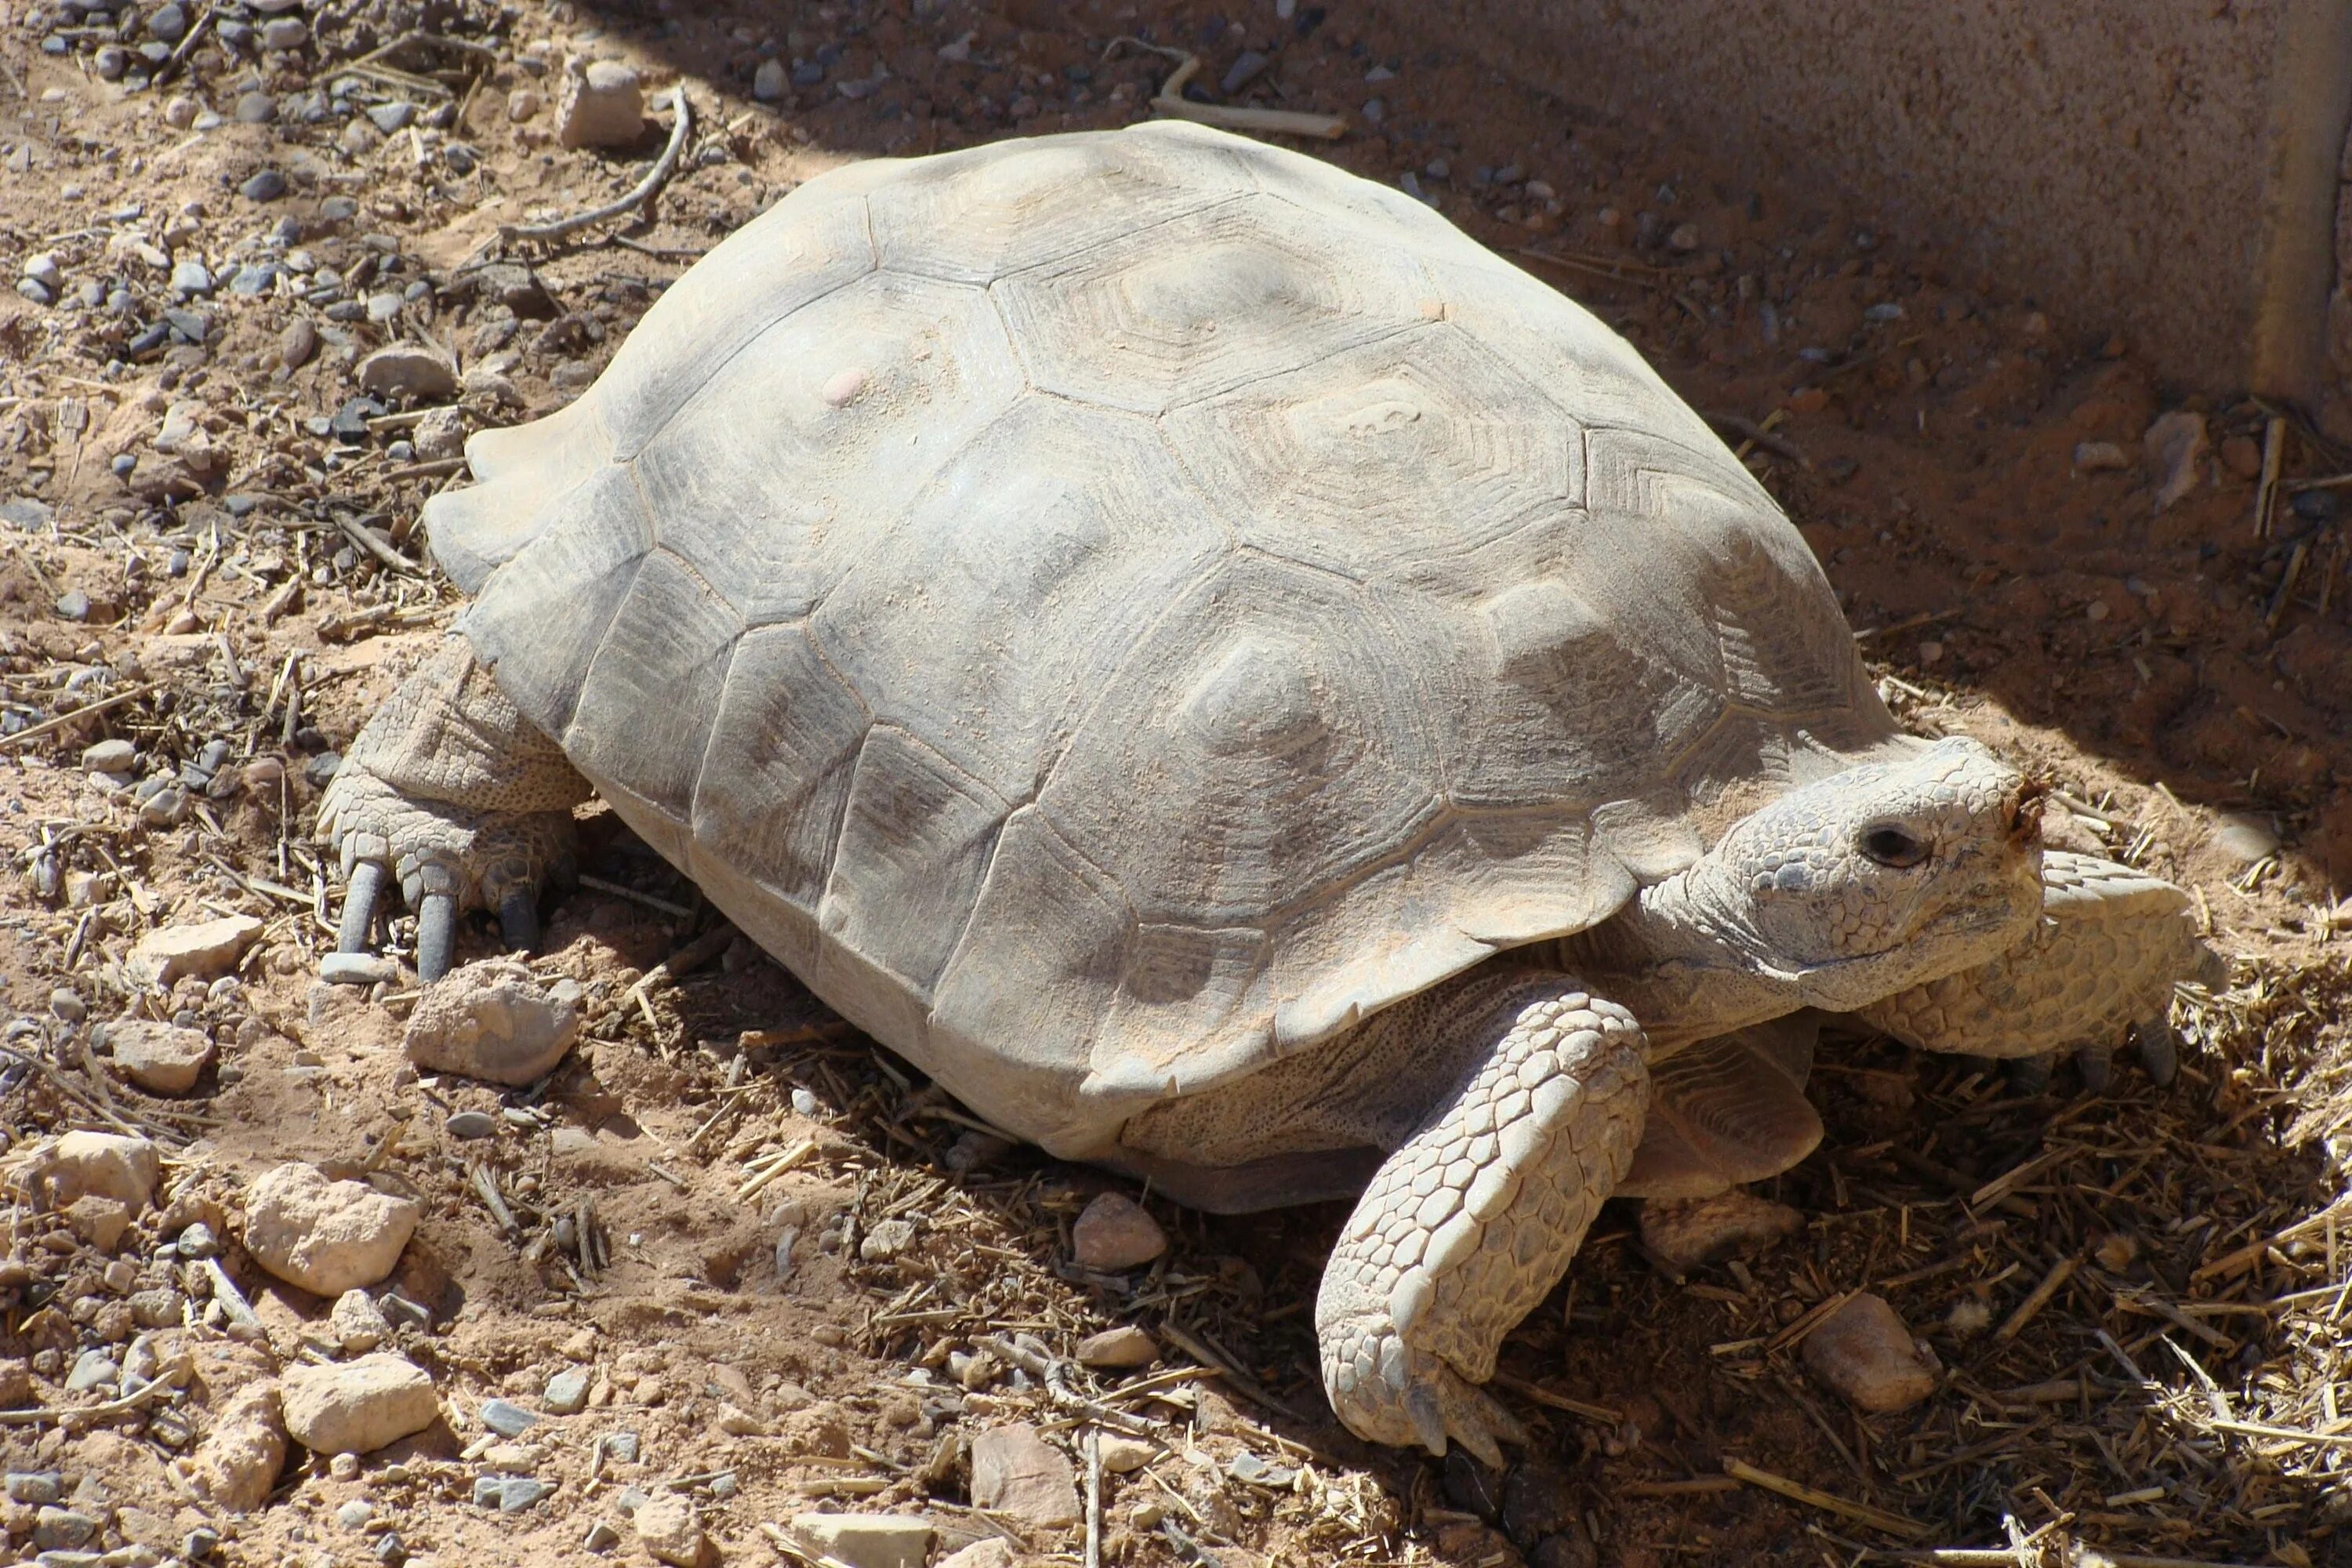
{"type": "Point", "coordinates": [1796, 1491]}
{"type": "Point", "coordinates": [1171, 100]}
{"type": "Point", "coordinates": [641, 195]}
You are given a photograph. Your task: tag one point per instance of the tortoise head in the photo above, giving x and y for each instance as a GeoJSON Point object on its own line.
{"type": "Point", "coordinates": [1882, 876]}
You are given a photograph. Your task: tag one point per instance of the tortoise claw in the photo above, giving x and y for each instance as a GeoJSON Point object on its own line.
{"type": "Point", "coordinates": [360, 901]}
{"type": "Point", "coordinates": [518, 917]}
{"type": "Point", "coordinates": [2160, 1050]}
{"type": "Point", "coordinates": [2096, 1065]}
{"type": "Point", "coordinates": [437, 935]}
{"type": "Point", "coordinates": [2027, 1076]}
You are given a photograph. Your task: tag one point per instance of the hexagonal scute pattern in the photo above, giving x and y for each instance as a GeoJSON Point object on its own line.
{"type": "Point", "coordinates": [1384, 460]}
{"type": "Point", "coordinates": [794, 462]}
{"type": "Point", "coordinates": [1186, 309]}
{"type": "Point", "coordinates": [975, 215]}
{"type": "Point", "coordinates": [1113, 609]}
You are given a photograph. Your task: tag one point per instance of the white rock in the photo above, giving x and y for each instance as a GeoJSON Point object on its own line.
{"type": "Point", "coordinates": [241, 1455]}
{"type": "Point", "coordinates": [492, 1019]}
{"type": "Point", "coordinates": [358, 1406]}
{"type": "Point", "coordinates": [407, 370]}
{"type": "Point", "coordinates": [1123, 1455]}
{"type": "Point", "coordinates": [161, 1058]}
{"type": "Point", "coordinates": [768, 83]}
{"type": "Point", "coordinates": [205, 949]}
{"type": "Point", "coordinates": [358, 1324]}
{"type": "Point", "coordinates": [2176, 451]}
{"type": "Point", "coordinates": [1118, 1349]}
{"type": "Point", "coordinates": [440, 434]}
{"type": "Point", "coordinates": [326, 1237]}
{"type": "Point", "coordinates": [667, 1529]}
{"type": "Point", "coordinates": [2244, 840]}
{"type": "Point", "coordinates": [1115, 1233]}
{"type": "Point", "coordinates": [866, 1540]}
{"type": "Point", "coordinates": [1866, 1353]}
{"type": "Point", "coordinates": [1686, 1232]}
{"type": "Point", "coordinates": [1016, 1471]}
{"type": "Point", "coordinates": [91, 1164]}
{"type": "Point", "coordinates": [994, 1553]}
{"type": "Point", "coordinates": [602, 106]}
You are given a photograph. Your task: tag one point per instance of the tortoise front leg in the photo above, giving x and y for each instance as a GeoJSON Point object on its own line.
{"type": "Point", "coordinates": [450, 792]}
{"type": "Point", "coordinates": [1474, 1219]}
{"type": "Point", "coordinates": [2112, 943]}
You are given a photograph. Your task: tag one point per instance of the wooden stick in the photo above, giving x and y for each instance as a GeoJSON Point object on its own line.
{"type": "Point", "coordinates": [640, 196]}
{"type": "Point", "coordinates": [2039, 1298]}
{"type": "Point", "coordinates": [130, 694]}
{"type": "Point", "coordinates": [1796, 1491]}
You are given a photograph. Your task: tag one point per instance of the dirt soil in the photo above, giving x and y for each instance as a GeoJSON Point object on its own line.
{"type": "Point", "coordinates": [2136, 1300]}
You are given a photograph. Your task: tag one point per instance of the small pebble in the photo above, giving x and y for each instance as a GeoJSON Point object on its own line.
{"type": "Point", "coordinates": [470, 1124]}
{"type": "Point", "coordinates": [109, 757]}
{"type": "Point", "coordinates": [357, 969]}
{"type": "Point", "coordinates": [567, 1393]}
{"type": "Point", "coordinates": [266, 187]}
{"type": "Point", "coordinates": [508, 1419]}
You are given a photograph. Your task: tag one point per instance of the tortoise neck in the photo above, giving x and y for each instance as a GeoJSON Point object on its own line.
{"type": "Point", "coordinates": [1679, 961]}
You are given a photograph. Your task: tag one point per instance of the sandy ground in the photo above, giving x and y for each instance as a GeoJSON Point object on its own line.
{"type": "Point", "coordinates": [193, 555]}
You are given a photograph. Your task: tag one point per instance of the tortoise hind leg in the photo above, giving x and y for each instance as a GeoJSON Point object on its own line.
{"type": "Point", "coordinates": [1476, 1216]}
{"type": "Point", "coordinates": [447, 791]}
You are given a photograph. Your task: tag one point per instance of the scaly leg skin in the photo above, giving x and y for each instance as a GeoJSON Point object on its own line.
{"type": "Point", "coordinates": [1475, 1217]}
{"type": "Point", "coordinates": [2112, 942]}
{"type": "Point", "coordinates": [447, 791]}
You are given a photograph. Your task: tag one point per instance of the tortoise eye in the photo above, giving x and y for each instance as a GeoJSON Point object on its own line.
{"type": "Point", "coordinates": [1897, 847]}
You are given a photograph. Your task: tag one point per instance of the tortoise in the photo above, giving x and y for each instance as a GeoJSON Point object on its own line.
{"type": "Point", "coordinates": [1243, 687]}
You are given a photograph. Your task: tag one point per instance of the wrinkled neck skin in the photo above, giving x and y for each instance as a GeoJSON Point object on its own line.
{"type": "Point", "coordinates": [1684, 959]}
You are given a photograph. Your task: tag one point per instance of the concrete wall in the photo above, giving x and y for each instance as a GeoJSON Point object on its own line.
{"type": "Point", "coordinates": [2165, 168]}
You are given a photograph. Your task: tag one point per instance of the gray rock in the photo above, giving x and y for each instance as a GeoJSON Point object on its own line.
{"type": "Point", "coordinates": [356, 969]}
{"type": "Point", "coordinates": [394, 116]}
{"type": "Point", "coordinates": [297, 342]}
{"type": "Point", "coordinates": [509, 1494]}
{"type": "Point", "coordinates": [1247, 66]}
{"type": "Point", "coordinates": [267, 186]}
{"type": "Point", "coordinates": [62, 1529]}
{"type": "Point", "coordinates": [507, 1418]}
{"type": "Point", "coordinates": [168, 23]}
{"type": "Point", "coordinates": [38, 292]}
{"type": "Point", "coordinates": [43, 270]}
{"type": "Point", "coordinates": [2244, 840]}
{"type": "Point", "coordinates": [355, 1515]}
{"type": "Point", "coordinates": [770, 82]}
{"type": "Point", "coordinates": [190, 278]}
{"type": "Point", "coordinates": [284, 33]}
{"type": "Point", "coordinates": [567, 1394]}
{"type": "Point", "coordinates": [33, 1487]}
{"type": "Point", "coordinates": [73, 604]}
{"type": "Point", "coordinates": [109, 757]}
{"type": "Point", "coordinates": [441, 435]}
{"type": "Point", "coordinates": [602, 1537]}
{"type": "Point", "coordinates": [471, 1125]}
